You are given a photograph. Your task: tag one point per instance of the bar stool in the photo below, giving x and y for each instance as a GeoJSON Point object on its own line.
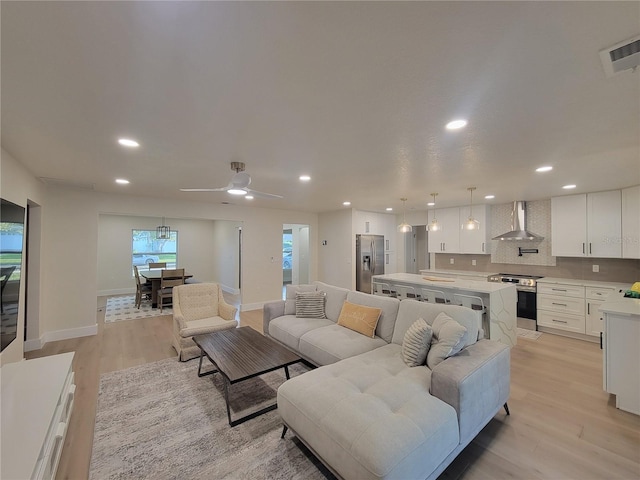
{"type": "Point", "coordinates": [433, 296]}
{"type": "Point", "coordinates": [477, 305]}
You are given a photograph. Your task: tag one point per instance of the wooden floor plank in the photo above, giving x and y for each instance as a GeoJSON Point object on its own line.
{"type": "Point", "coordinates": [562, 424]}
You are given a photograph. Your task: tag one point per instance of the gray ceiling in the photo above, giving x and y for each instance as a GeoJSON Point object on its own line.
{"type": "Point", "coordinates": [354, 94]}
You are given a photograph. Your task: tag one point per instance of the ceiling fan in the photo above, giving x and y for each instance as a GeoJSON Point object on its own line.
{"type": "Point", "coordinates": [239, 184]}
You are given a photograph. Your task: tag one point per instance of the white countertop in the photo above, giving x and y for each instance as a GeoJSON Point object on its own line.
{"type": "Point", "coordinates": [462, 273]}
{"type": "Point", "coordinates": [585, 283]}
{"type": "Point", "coordinates": [453, 284]}
{"type": "Point", "coordinates": [617, 303]}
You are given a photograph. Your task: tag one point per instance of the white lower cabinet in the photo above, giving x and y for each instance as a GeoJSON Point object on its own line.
{"type": "Point", "coordinates": [595, 297]}
{"type": "Point", "coordinates": [561, 306]}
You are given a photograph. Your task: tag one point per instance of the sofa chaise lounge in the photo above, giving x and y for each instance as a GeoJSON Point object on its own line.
{"type": "Point", "coordinates": [364, 412]}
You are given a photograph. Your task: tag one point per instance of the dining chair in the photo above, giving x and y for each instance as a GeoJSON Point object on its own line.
{"type": "Point", "coordinates": [142, 289]}
{"type": "Point", "coordinates": [169, 278]}
{"type": "Point", "coordinates": [157, 265]}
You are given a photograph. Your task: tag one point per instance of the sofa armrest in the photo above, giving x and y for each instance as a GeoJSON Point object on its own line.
{"type": "Point", "coordinates": [475, 382]}
{"type": "Point", "coordinates": [270, 311]}
{"type": "Point", "coordinates": [226, 311]}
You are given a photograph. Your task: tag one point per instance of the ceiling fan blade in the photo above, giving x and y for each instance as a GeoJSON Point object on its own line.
{"type": "Point", "coordinates": [203, 189]}
{"type": "Point", "coordinates": [262, 194]}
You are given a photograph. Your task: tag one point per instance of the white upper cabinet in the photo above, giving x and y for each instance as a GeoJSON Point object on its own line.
{"type": "Point", "coordinates": [476, 241]}
{"type": "Point", "coordinates": [587, 225]}
{"type": "Point", "coordinates": [446, 240]}
{"type": "Point", "coordinates": [569, 226]}
{"type": "Point", "coordinates": [631, 222]}
{"type": "Point", "coordinates": [604, 224]}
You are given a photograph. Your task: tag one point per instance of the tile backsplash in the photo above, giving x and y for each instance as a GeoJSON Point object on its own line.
{"type": "Point", "coordinates": [538, 221]}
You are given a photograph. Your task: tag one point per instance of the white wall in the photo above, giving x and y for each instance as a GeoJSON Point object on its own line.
{"type": "Point", "coordinates": [18, 186]}
{"type": "Point", "coordinates": [223, 248]}
{"type": "Point", "coordinates": [335, 259]}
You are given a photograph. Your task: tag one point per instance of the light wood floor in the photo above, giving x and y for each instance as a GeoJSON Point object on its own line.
{"type": "Point", "coordinates": [562, 424]}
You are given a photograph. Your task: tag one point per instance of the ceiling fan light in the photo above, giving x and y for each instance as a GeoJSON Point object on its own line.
{"type": "Point", "coordinates": [237, 191]}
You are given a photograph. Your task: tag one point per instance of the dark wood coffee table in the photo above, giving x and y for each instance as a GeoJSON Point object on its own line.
{"type": "Point", "coordinates": [243, 353]}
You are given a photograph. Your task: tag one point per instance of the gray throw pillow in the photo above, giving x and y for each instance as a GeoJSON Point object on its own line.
{"type": "Point", "coordinates": [446, 341]}
{"type": "Point", "coordinates": [290, 301]}
{"type": "Point", "coordinates": [310, 305]}
{"type": "Point", "coordinates": [416, 343]}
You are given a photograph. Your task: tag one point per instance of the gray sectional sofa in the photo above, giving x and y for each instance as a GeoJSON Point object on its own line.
{"type": "Point", "coordinates": [366, 414]}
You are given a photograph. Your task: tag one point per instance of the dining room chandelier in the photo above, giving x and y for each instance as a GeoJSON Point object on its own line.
{"type": "Point", "coordinates": [404, 227]}
{"type": "Point", "coordinates": [434, 226]}
{"type": "Point", "coordinates": [163, 232]}
{"type": "Point", "coordinates": [471, 223]}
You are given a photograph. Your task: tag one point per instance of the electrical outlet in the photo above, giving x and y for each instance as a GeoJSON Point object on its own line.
{"type": "Point", "coordinates": [473, 262]}
{"type": "Point", "coordinates": [451, 261]}
{"type": "Point", "coordinates": [596, 268]}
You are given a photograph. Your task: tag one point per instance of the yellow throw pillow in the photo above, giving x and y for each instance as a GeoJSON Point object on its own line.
{"type": "Point", "coordinates": [359, 318]}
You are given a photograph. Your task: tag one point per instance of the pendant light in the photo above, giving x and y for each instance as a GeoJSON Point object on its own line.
{"type": "Point", "coordinates": [471, 223]}
{"type": "Point", "coordinates": [404, 227]}
{"type": "Point", "coordinates": [163, 232]}
{"type": "Point", "coordinates": [434, 226]}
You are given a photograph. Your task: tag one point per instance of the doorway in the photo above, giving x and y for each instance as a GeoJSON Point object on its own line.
{"type": "Point", "coordinates": [295, 254]}
{"type": "Point", "coordinates": [416, 250]}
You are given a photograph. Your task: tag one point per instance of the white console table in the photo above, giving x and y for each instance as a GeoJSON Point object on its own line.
{"type": "Point", "coordinates": [37, 400]}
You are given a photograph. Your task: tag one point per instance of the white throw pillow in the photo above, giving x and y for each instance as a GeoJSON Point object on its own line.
{"type": "Point", "coordinates": [416, 343]}
{"type": "Point", "coordinates": [446, 341]}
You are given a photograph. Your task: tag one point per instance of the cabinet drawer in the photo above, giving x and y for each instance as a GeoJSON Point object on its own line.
{"type": "Point", "coordinates": [561, 321]}
{"type": "Point", "coordinates": [561, 289]}
{"type": "Point", "coordinates": [556, 303]}
{"type": "Point", "coordinates": [598, 293]}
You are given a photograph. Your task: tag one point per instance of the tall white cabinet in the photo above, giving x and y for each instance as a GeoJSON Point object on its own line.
{"type": "Point", "coordinates": [587, 225]}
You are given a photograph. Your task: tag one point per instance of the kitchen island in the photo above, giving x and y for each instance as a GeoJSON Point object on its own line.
{"type": "Point", "coordinates": [499, 299]}
{"type": "Point", "coordinates": [621, 350]}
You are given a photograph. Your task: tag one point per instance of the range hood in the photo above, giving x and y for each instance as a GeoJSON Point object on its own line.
{"type": "Point", "coordinates": [519, 225]}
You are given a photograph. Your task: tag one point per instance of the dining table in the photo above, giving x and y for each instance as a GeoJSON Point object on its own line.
{"type": "Point", "coordinates": [154, 277]}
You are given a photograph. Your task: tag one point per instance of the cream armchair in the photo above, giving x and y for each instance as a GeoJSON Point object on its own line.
{"type": "Point", "coordinates": [198, 308]}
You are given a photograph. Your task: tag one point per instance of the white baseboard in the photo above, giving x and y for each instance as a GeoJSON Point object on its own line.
{"type": "Point", "coordinates": [251, 306]}
{"type": "Point", "coordinates": [231, 290]}
{"type": "Point", "coordinates": [117, 291]}
{"type": "Point", "coordinates": [38, 343]}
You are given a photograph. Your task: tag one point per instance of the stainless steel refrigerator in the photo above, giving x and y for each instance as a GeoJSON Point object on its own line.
{"type": "Point", "coordinates": [369, 260]}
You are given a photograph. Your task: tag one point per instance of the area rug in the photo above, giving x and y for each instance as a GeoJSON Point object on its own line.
{"type": "Point", "coordinates": [529, 334]}
{"type": "Point", "coordinates": [162, 421]}
{"type": "Point", "coordinates": [124, 308]}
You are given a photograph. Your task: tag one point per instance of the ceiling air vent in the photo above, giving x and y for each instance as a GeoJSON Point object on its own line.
{"type": "Point", "coordinates": [621, 56]}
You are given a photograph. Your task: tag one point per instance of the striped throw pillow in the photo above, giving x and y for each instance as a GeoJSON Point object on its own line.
{"type": "Point", "coordinates": [416, 343]}
{"type": "Point", "coordinates": [310, 304]}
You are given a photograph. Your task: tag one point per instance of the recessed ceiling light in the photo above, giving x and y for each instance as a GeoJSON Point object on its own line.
{"type": "Point", "coordinates": [346, 204]}
{"type": "Point", "coordinates": [569, 187]}
{"type": "Point", "coordinates": [249, 197]}
{"type": "Point", "coordinates": [305, 178]}
{"type": "Point", "coordinates": [122, 181]}
{"type": "Point", "coordinates": [431, 204]}
{"type": "Point", "coordinates": [489, 197]}
{"type": "Point", "coordinates": [127, 142]}
{"type": "Point", "coordinates": [546, 168]}
{"type": "Point", "coordinates": [237, 191]}
{"type": "Point", "coordinates": [389, 209]}
{"type": "Point", "coordinates": [456, 124]}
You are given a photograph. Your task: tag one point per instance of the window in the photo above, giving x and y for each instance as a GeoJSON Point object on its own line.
{"type": "Point", "coordinates": [146, 249]}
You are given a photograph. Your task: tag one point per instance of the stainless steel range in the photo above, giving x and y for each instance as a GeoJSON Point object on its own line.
{"type": "Point", "coordinates": [526, 286]}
